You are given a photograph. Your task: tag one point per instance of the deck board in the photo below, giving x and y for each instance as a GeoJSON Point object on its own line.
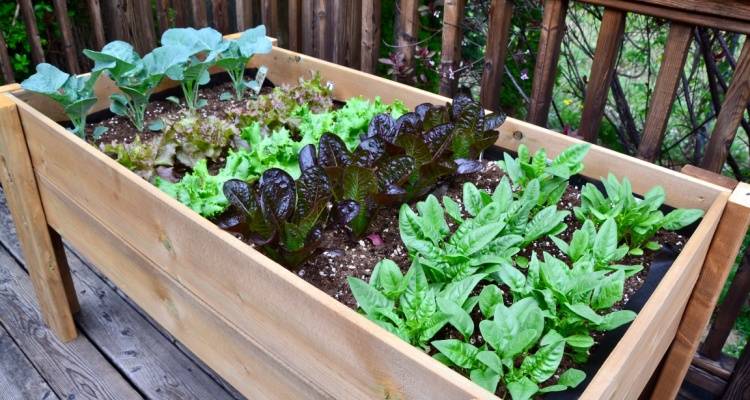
{"type": "Point", "coordinates": [131, 355]}
{"type": "Point", "coordinates": [19, 379]}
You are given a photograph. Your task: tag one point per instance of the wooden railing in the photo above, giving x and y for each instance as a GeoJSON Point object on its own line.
{"type": "Point", "coordinates": [348, 32]}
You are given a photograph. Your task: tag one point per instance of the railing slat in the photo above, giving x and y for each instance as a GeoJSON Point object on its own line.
{"type": "Point", "coordinates": [408, 34]}
{"type": "Point", "coordinates": [501, 12]}
{"type": "Point", "coordinates": [200, 16]}
{"type": "Point", "coordinates": [270, 16]}
{"type": "Point", "coordinates": [370, 35]}
{"type": "Point", "coordinates": [307, 15]}
{"type": "Point", "coordinates": [220, 14]}
{"type": "Point", "coordinates": [95, 13]}
{"type": "Point", "coordinates": [5, 65]}
{"type": "Point", "coordinates": [354, 35]}
{"type": "Point", "coordinates": [602, 69]}
{"type": "Point", "coordinates": [338, 21]}
{"type": "Point", "coordinates": [322, 28]}
{"type": "Point", "coordinates": [69, 47]}
{"type": "Point", "coordinates": [728, 311]}
{"type": "Point", "coordinates": [553, 29]}
{"type": "Point", "coordinates": [27, 11]}
{"type": "Point", "coordinates": [675, 52]}
{"type": "Point", "coordinates": [295, 25]}
{"type": "Point", "coordinates": [730, 115]}
{"type": "Point", "coordinates": [453, 15]}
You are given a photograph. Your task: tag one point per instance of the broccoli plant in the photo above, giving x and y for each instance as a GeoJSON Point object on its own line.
{"type": "Point", "coordinates": [236, 56]}
{"type": "Point", "coordinates": [552, 175]}
{"type": "Point", "coordinates": [281, 216]}
{"type": "Point", "coordinates": [514, 352]}
{"type": "Point", "coordinates": [637, 220]}
{"type": "Point", "coordinates": [201, 138]}
{"type": "Point", "coordinates": [74, 93]}
{"type": "Point", "coordinates": [202, 47]}
{"type": "Point", "coordinates": [135, 77]}
{"type": "Point", "coordinates": [411, 308]}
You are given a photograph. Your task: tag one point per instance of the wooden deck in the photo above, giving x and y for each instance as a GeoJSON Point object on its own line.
{"type": "Point", "coordinates": [119, 354]}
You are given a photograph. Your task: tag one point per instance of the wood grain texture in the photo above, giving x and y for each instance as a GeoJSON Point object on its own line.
{"type": "Point", "coordinates": [732, 110]}
{"type": "Point", "coordinates": [686, 12]}
{"type": "Point", "coordinates": [32, 31]}
{"type": "Point", "coordinates": [628, 368]}
{"type": "Point", "coordinates": [68, 43]}
{"type": "Point", "coordinates": [408, 34]}
{"type": "Point", "coordinates": [307, 15]}
{"type": "Point", "coordinates": [220, 15]}
{"type": "Point", "coordinates": [739, 384]}
{"type": "Point", "coordinates": [501, 12]}
{"type": "Point", "coordinates": [17, 176]}
{"type": "Point", "coordinates": [545, 69]}
{"type": "Point", "coordinates": [150, 361]}
{"type": "Point", "coordinates": [200, 15]}
{"type": "Point", "coordinates": [353, 30]}
{"type": "Point", "coordinates": [450, 56]}
{"type": "Point", "coordinates": [243, 14]}
{"type": "Point", "coordinates": [708, 176]}
{"type": "Point", "coordinates": [339, 18]}
{"type": "Point", "coordinates": [602, 69]}
{"type": "Point", "coordinates": [18, 378]}
{"type": "Point", "coordinates": [371, 10]}
{"type": "Point", "coordinates": [673, 60]}
{"type": "Point", "coordinates": [728, 311]}
{"type": "Point", "coordinates": [721, 255]}
{"type": "Point", "coordinates": [295, 24]}
{"type": "Point", "coordinates": [97, 25]}
{"type": "Point", "coordinates": [5, 64]}
{"type": "Point", "coordinates": [322, 29]}
{"type": "Point", "coordinates": [269, 12]}
{"type": "Point", "coordinates": [72, 370]}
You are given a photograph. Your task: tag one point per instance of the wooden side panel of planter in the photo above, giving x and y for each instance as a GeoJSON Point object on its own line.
{"type": "Point", "coordinates": [682, 191]}
{"type": "Point", "coordinates": [628, 368]}
{"type": "Point", "coordinates": [232, 354]}
{"type": "Point", "coordinates": [329, 347]}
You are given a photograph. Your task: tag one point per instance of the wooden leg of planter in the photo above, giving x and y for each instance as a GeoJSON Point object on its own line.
{"type": "Point", "coordinates": [44, 254]}
{"type": "Point", "coordinates": [721, 255]}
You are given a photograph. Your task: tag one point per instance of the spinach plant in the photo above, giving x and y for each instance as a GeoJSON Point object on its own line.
{"type": "Point", "coordinates": [236, 56]}
{"type": "Point", "coordinates": [135, 77]}
{"type": "Point", "coordinates": [497, 227]}
{"type": "Point", "coordinates": [573, 297]}
{"type": "Point", "coordinates": [510, 335]}
{"type": "Point", "coordinates": [281, 216]}
{"type": "Point", "coordinates": [553, 176]}
{"type": "Point", "coordinates": [600, 247]}
{"type": "Point", "coordinates": [202, 47]}
{"type": "Point", "coordinates": [74, 93]}
{"type": "Point", "coordinates": [412, 308]}
{"type": "Point", "coordinates": [637, 220]}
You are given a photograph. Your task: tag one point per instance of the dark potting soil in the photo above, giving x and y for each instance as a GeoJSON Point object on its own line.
{"type": "Point", "coordinates": [343, 257]}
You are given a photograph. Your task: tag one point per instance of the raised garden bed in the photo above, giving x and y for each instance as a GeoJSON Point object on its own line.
{"type": "Point", "coordinates": [261, 326]}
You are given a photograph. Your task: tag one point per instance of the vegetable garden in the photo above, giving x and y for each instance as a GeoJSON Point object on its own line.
{"type": "Point", "coordinates": [428, 230]}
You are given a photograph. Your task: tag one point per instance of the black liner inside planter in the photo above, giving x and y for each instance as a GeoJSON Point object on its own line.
{"type": "Point", "coordinates": [662, 262]}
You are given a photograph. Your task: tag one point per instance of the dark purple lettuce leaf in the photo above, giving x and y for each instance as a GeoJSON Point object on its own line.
{"type": "Point", "coordinates": [436, 115]}
{"type": "Point", "coordinates": [394, 171]}
{"type": "Point", "coordinates": [409, 123]}
{"type": "Point", "coordinates": [493, 121]}
{"type": "Point", "coordinates": [277, 194]}
{"type": "Point", "coordinates": [422, 110]}
{"type": "Point", "coordinates": [369, 151]}
{"type": "Point", "coordinates": [307, 157]}
{"type": "Point", "coordinates": [344, 212]}
{"type": "Point", "coordinates": [459, 103]}
{"type": "Point", "coordinates": [332, 152]}
{"type": "Point", "coordinates": [414, 147]}
{"type": "Point", "coordinates": [313, 187]}
{"type": "Point", "coordinates": [465, 166]}
{"type": "Point", "coordinates": [437, 139]}
{"type": "Point", "coordinates": [381, 125]}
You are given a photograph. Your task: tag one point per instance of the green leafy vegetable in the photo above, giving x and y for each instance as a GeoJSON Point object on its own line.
{"type": "Point", "coordinates": [637, 220]}
{"type": "Point", "coordinates": [236, 56]}
{"type": "Point", "coordinates": [201, 137]}
{"type": "Point", "coordinates": [143, 157]}
{"type": "Point", "coordinates": [74, 93]}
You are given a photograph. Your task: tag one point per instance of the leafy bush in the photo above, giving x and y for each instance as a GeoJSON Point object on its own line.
{"type": "Point", "coordinates": [412, 309]}
{"type": "Point", "coordinates": [637, 220]}
{"type": "Point", "coordinates": [201, 138]}
{"type": "Point", "coordinates": [506, 356]}
{"type": "Point", "coordinates": [143, 157]}
{"type": "Point", "coordinates": [497, 229]}
{"type": "Point", "coordinates": [552, 175]}
{"type": "Point", "coordinates": [281, 216]}
{"type": "Point", "coordinates": [202, 48]}
{"type": "Point", "coordinates": [135, 77]}
{"type": "Point", "coordinates": [201, 191]}
{"type": "Point", "coordinates": [236, 56]}
{"type": "Point", "coordinates": [74, 93]}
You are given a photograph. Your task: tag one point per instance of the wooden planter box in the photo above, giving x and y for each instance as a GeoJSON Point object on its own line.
{"type": "Point", "coordinates": [262, 328]}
